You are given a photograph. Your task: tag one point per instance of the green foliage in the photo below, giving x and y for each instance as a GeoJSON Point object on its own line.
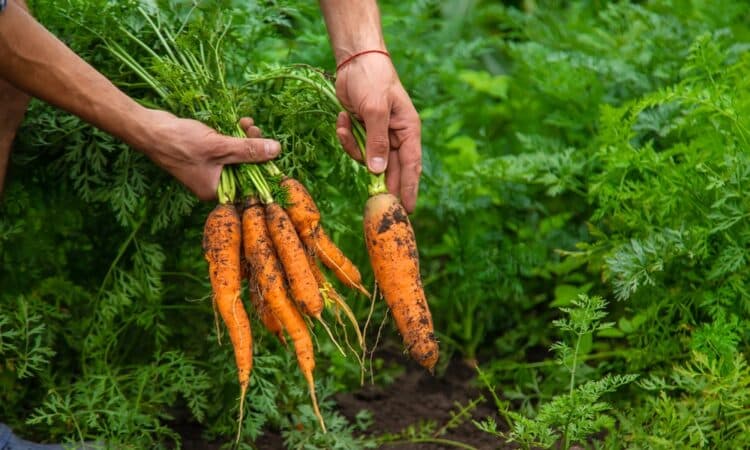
{"type": "Point", "coordinates": [700, 405]}
{"type": "Point", "coordinates": [577, 415]}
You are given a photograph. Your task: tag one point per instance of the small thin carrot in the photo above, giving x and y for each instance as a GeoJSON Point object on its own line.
{"type": "Point", "coordinates": [259, 250]}
{"type": "Point", "coordinates": [395, 262]}
{"type": "Point", "coordinates": [302, 209]}
{"type": "Point", "coordinates": [331, 295]}
{"type": "Point", "coordinates": [221, 246]}
{"type": "Point", "coordinates": [333, 258]}
{"type": "Point", "coordinates": [305, 216]}
{"type": "Point", "coordinates": [288, 246]}
{"type": "Point", "coordinates": [264, 311]}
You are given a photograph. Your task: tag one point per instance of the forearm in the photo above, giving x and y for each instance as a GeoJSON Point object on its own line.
{"type": "Point", "coordinates": [12, 107]}
{"type": "Point", "coordinates": [36, 62]}
{"type": "Point", "coordinates": [353, 26]}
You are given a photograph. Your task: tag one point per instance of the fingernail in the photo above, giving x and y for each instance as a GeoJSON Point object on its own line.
{"type": "Point", "coordinates": [272, 148]}
{"type": "Point", "coordinates": [377, 164]}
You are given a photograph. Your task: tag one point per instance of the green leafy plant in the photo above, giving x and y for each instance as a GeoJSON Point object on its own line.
{"type": "Point", "coordinates": [577, 415]}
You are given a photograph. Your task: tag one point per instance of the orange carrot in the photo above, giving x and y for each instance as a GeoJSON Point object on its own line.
{"type": "Point", "coordinates": [333, 258]}
{"type": "Point", "coordinates": [330, 295]}
{"type": "Point", "coordinates": [259, 251]}
{"type": "Point", "coordinates": [317, 273]}
{"type": "Point", "coordinates": [395, 261]}
{"type": "Point", "coordinates": [292, 255]}
{"type": "Point", "coordinates": [264, 312]}
{"type": "Point", "coordinates": [302, 209]}
{"type": "Point", "coordinates": [305, 216]}
{"type": "Point", "coordinates": [221, 245]}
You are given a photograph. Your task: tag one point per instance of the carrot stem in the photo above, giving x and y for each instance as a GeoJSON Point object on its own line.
{"type": "Point", "coordinates": [324, 86]}
{"type": "Point", "coordinates": [272, 169]}
{"type": "Point", "coordinates": [227, 186]}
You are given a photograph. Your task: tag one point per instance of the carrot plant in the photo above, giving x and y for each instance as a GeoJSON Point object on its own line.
{"type": "Point", "coordinates": [575, 416]}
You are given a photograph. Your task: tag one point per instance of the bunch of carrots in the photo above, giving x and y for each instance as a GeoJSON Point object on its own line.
{"type": "Point", "coordinates": [277, 250]}
{"type": "Point", "coordinates": [266, 228]}
{"type": "Point", "coordinates": [284, 244]}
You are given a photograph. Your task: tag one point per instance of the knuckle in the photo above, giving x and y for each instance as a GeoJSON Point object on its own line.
{"type": "Point", "coordinates": [217, 151]}
{"type": "Point", "coordinates": [251, 150]}
{"type": "Point", "coordinates": [412, 168]}
{"type": "Point", "coordinates": [412, 161]}
{"type": "Point", "coordinates": [378, 142]}
{"type": "Point", "coordinates": [373, 109]}
{"type": "Point", "coordinates": [216, 148]}
{"type": "Point", "coordinates": [415, 168]}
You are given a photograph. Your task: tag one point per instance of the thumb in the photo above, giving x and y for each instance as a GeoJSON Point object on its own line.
{"type": "Point", "coordinates": [376, 122]}
{"type": "Point", "coordinates": [231, 150]}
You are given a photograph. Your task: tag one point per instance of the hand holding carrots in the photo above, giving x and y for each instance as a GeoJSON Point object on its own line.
{"type": "Point", "coordinates": [264, 240]}
{"type": "Point", "coordinates": [195, 153]}
{"type": "Point", "coordinates": [369, 87]}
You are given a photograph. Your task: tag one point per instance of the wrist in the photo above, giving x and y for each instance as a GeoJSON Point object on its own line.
{"type": "Point", "coordinates": [344, 52]}
{"type": "Point", "coordinates": [140, 128]}
{"type": "Point", "coordinates": [350, 59]}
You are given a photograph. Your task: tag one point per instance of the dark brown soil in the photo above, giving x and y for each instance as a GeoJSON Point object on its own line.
{"type": "Point", "coordinates": [415, 396]}
{"type": "Point", "coordinates": [418, 396]}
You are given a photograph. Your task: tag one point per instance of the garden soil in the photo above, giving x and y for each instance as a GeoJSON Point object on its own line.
{"type": "Point", "coordinates": [414, 396]}
{"type": "Point", "coordinates": [418, 396]}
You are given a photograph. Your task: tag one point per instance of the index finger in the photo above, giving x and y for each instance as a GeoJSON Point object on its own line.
{"type": "Point", "coordinates": [376, 117]}
{"type": "Point", "coordinates": [410, 157]}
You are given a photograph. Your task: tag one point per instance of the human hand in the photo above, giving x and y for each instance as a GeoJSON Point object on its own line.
{"type": "Point", "coordinates": [195, 153]}
{"type": "Point", "coordinates": [369, 87]}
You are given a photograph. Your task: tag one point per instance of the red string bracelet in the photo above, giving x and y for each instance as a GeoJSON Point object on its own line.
{"type": "Point", "coordinates": [349, 59]}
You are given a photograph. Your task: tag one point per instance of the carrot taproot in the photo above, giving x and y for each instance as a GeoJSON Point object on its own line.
{"type": "Point", "coordinates": [330, 296]}
{"type": "Point", "coordinates": [259, 251]}
{"type": "Point", "coordinates": [221, 246]}
{"type": "Point", "coordinates": [395, 262]}
{"type": "Point", "coordinates": [333, 258]}
{"type": "Point", "coordinates": [289, 248]}
{"type": "Point", "coordinates": [305, 216]}
{"type": "Point", "coordinates": [266, 315]}
{"type": "Point", "coordinates": [301, 208]}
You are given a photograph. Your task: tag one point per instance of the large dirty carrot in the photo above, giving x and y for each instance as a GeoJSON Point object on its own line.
{"type": "Point", "coordinates": [305, 216]}
{"type": "Point", "coordinates": [291, 253]}
{"type": "Point", "coordinates": [259, 251]}
{"type": "Point", "coordinates": [221, 245]}
{"type": "Point", "coordinates": [395, 261]}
